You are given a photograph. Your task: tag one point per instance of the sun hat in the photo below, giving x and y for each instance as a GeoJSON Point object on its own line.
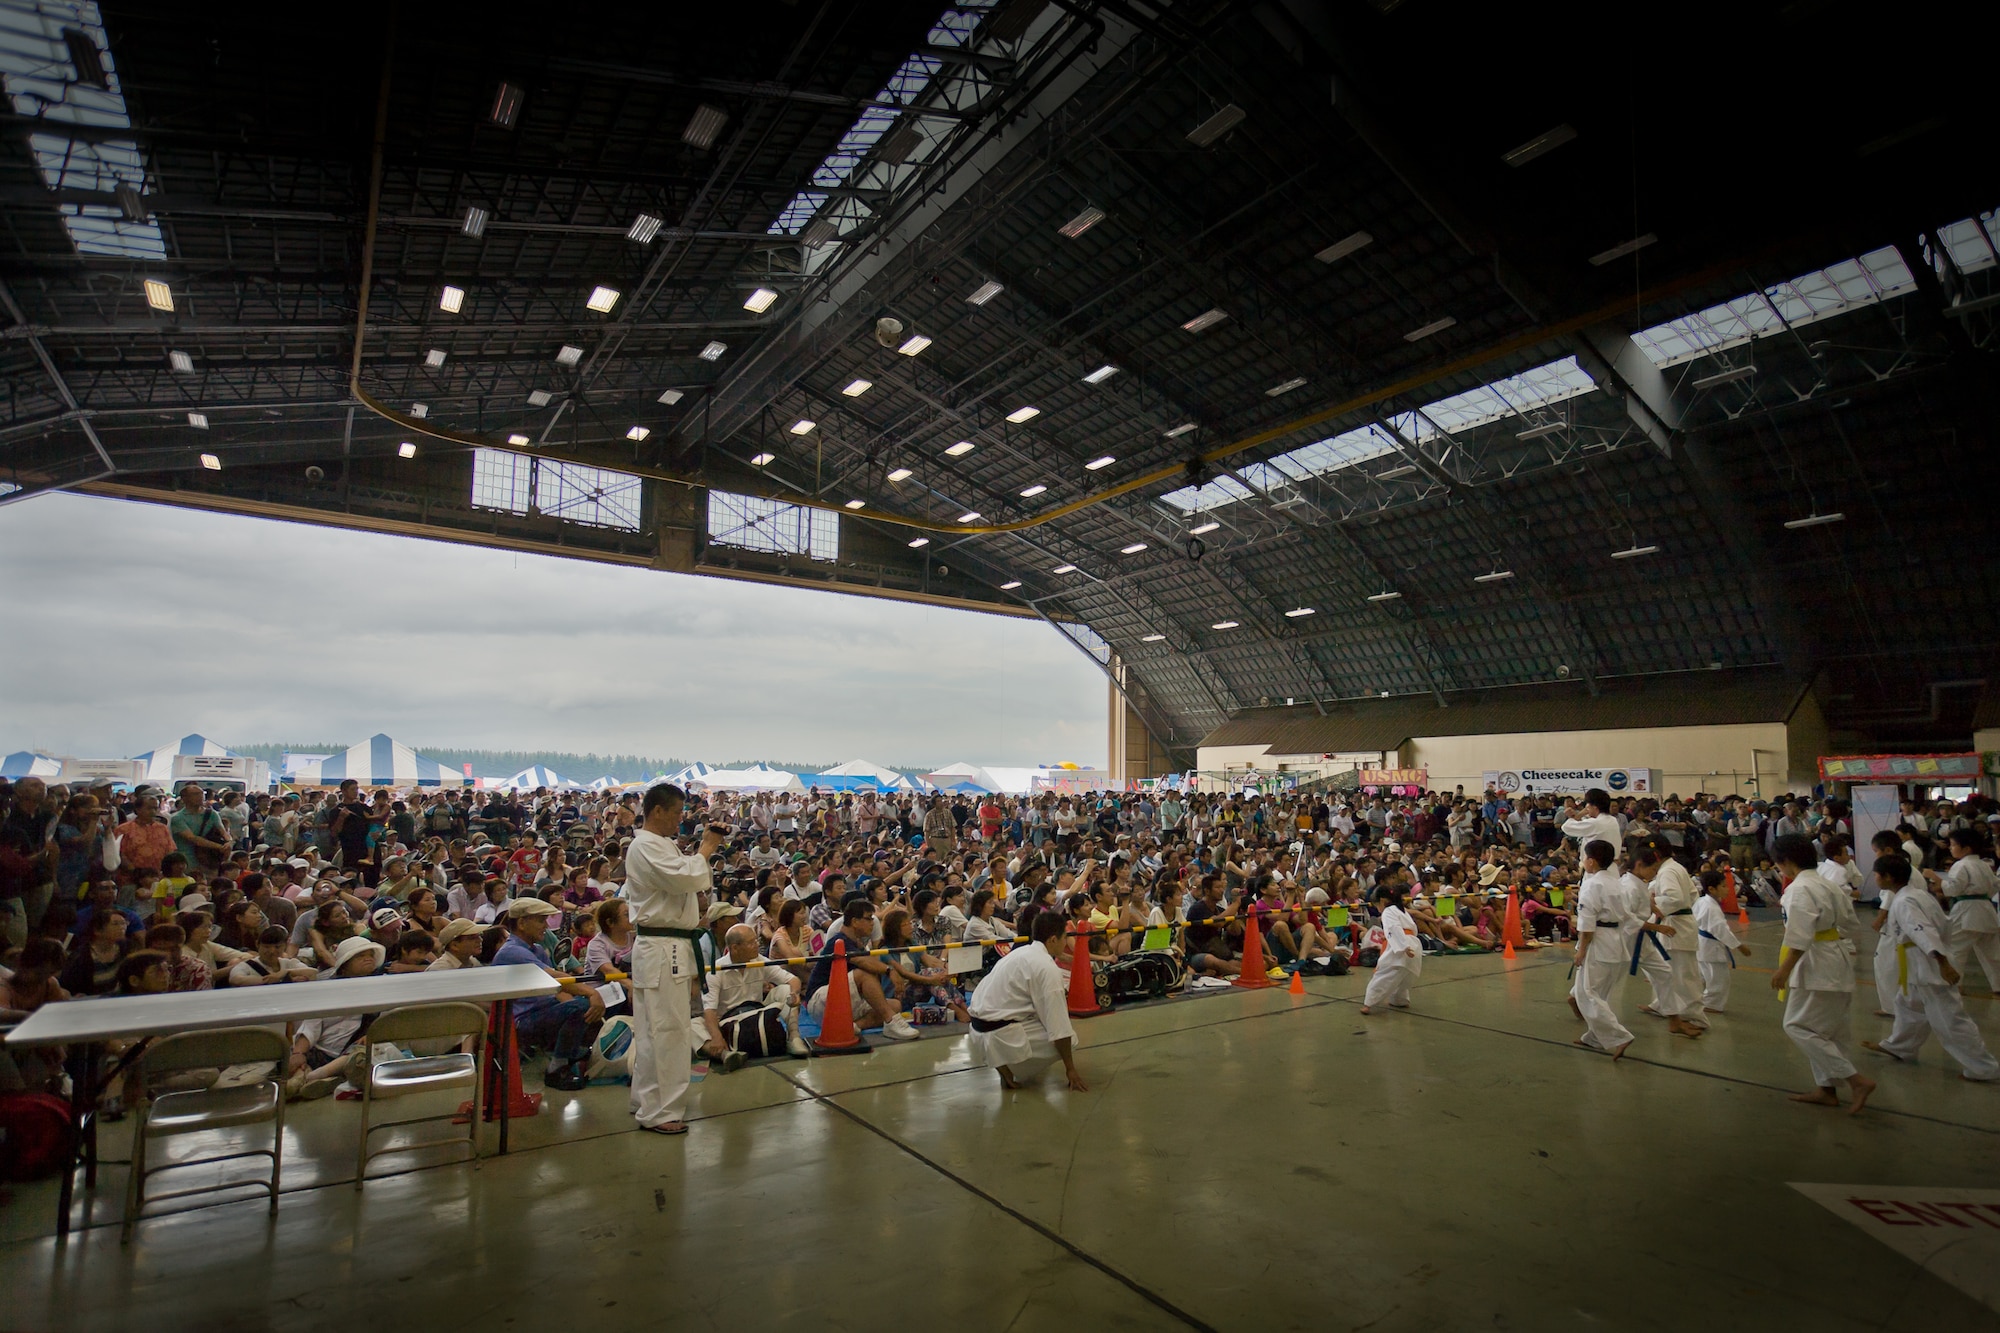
{"type": "Point", "coordinates": [350, 949]}
{"type": "Point", "coordinates": [521, 907]}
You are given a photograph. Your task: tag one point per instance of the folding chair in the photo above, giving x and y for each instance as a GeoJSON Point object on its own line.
{"type": "Point", "coordinates": [173, 1113]}
{"type": "Point", "coordinates": [424, 1073]}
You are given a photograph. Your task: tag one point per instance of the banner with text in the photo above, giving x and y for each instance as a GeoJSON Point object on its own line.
{"type": "Point", "coordinates": [1570, 781]}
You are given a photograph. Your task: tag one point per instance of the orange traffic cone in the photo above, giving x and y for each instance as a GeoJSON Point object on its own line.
{"type": "Point", "coordinates": [1298, 986]}
{"type": "Point", "coordinates": [1082, 982]}
{"type": "Point", "coordinates": [1510, 929]}
{"type": "Point", "coordinates": [1252, 976]}
{"type": "Point", "coordinates": [836, 1026]}
{"type": "Point", "coordinates": [502, 1072]}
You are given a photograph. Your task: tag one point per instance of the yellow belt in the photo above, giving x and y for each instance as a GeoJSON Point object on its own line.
{"type": "Point", "coordinates": [1903, 966]}
{"type": "Point", "coordinates": [1785, 951]}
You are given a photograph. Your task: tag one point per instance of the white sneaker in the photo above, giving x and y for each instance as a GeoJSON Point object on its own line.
{"type": "Point", "coordinates": [797, 1046]}
{"type": "Point", "coordinates": [899, 1029]}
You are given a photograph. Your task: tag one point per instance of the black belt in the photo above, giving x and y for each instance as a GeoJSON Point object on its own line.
{"type": "Point", "coordinates": [992, 1024]}
{"type": "Point", "coordinates": [1609, 925]}
{"type": "Point", "coordinates": [1685, 911]}
{"type": "Point", "coordinates": [688, 933]}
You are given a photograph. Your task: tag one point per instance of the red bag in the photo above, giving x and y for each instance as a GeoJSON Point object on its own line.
{"type": "Point", "coordinates": [35, 1135]}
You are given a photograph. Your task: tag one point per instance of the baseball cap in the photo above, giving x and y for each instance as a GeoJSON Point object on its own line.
{"type": "Point", "coordinates": [458, 929]}
{"type": "Point", "coordinates": [718, 911]}
{"type": "Point", "coordinates": [384, 916]}
{"type": "Point", "coordinates": [521, 907]}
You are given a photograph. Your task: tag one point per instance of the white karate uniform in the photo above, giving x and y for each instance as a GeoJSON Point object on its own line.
{"type": "Point", "coordinates": [1401, 963]}
{"type": "Point", "coordinates": [1716, 949]}
{"type": "Point", "coordinates": [1924, 1002]}
{"type": "Point", "coordinates": [661, 882]}
{"type": "Point", "coordinates": [1975, 927]}
{"type": "Point", "coordinates": [1657, 967]}
{"type": "Point", "coordinates": [1603, 912]}
{"type": "Point", "coordinates": [1885, 956]}
{"type": "Point", "coordinates": [1030, 994]}
{"type": "Point", "coordinates": [1675, 893]}
{"type": "Point", "coordinates": [1821, 989]}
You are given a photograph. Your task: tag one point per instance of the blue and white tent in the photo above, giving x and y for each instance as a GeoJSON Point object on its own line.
{"type": "Point", "coordinates": [606, 783]}
{"type": "Point", "coordinates": [380, 761]}
{"type": "Point", "coordinates": [537, 776]}
{"type": "Point", "coordinates": [684, 776]}
{"type": "Point", "coordinates": [28, 764]}
{"type": "Point", "coordinates": [868, 775]}
{"type": "Point", "coordinates": [159, 761]}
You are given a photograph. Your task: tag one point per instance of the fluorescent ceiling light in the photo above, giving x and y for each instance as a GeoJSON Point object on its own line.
{"type": "Point", "coordinates": [913, 344]}
{"type": "Point", "coordinates": [406, 450]}
{"type": "Point", "coordinates": [1636, 244]}
{"type": "Point", "coordinates": [450, 298]}
{"type": "Point", "coordinates": [900, 474]}
{"type": "Point", "coordinates": [1063, 569]}
{"type": "Point", "coordinates": [1631, 552]}
{"type": "Point", "coordinates": [1020, 414]}
{"type": "Point", "coordinates": [856, 388]}
{"type": "Point", "coordinates": [434, 358]}
{"type": "Point", "coordinates": [712, 352]}
{"type": "Point", "coordinates": [702, 127]}
{"type": "Point", "coordinates": [1179, 430]}
{"type": "Point", "coordinates": [211, 462]}
{"type": "Point", "coordinates": [1217, 125]}
{"type": "Point", "coordinates": [1209, 526]}
{"type": "Point", "coordinates": [517, 439]}
{"type": "Point", "coordinates": [569, 355]}
{"type": "Point", "coordinates": [760, 300]}
{"type": "Point", "coordinates": [1497, 576]}
{"type": "Point", "coordinates": [1094, 464]}
{"type": "Point", "coordinates": [1082, 222]}
{"type": "Point", "coordinates": [475, 221]}
{"type": "Point", "coordinates": [959, 450]}
{"type": "Point", "coordinates": [857, 504]}
{"type": "Point", "coordinates": [803, 426]}
{"type": "Point", "coordinates": [1344, 247]}
{"type": "Point", "coordinates": [985, 292]}
{"type": "Point", "coordinates": [637, 433]}
{"type": "Point", "coordinates": [759, 460]}
{"type": "Point", "coordinates": [1133, 549]}
{"type": "Point", "coordinates": [1537, 432]}
{"type": "Point", "coordinates": [1277, 390]}
{"type": "Point", "coordinates": [1729, 376]}
{"type": "Point", "coordinates": [1816, 520]}
{"type": "Point", "coordinates": [1397, 473]}
{"type": "Point", "coordinates": [1010, 585]}
{"type": "Point", "coordinates": [969, 516]}
{"type": "Point", "coordinates": [1101, 374]}
{"type": "Point", "coordinates": [1435, 326]}
{"type": "Point", "coordinates": [670, 396]}
{"type": "Point", "coordinates": [1151, 638]}
{"type": "Point", "coordinates": [1298, 611]}
{"type": "Point", "coordinates": [818, 232]}
{"type": "Point", "coordinates": [1545, 142]}
{"type": "Point", "coordinates": [506, 106]}
{"type": "Point", "coordinates": [602, 299]}
{"type": "Point", "coordinates": [1384, 596]}
{"type": "Point", "coordinates": [538, 398]}
{"type": "Point", "coordinates": [1033, 491]}
{"type": "Point", "coordinates": [159, 295]}
{"type": "Point", "coordinates": [1206, 319]}
{"type": "Point", "coordinates": [643, 229]}
{"type": "Point", "coordinates": [1224, 624]}
{"type": "Point", "coordinates": [181, 362]}
{"type": "Point", "coordinates": [199, 420]}
{"type": "Point", "coordinates": [919, 541]}
{"type": "Point", "coordinates": [419, 410]}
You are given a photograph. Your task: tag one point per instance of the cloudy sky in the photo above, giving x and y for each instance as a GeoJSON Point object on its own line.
{"type": "Point", "coordinates": [128, 625]}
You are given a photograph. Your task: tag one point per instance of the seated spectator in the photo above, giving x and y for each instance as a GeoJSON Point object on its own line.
{"type": "Point", "coordinates": [752, 1011]}
{"type": "Point", "coordinates": [325, 1049]}
{"type": "Point", "coordinates": [413, 951]}
{"type": "Point", "coordinates": [100, 947]}
{"type": "Point", "coordinates": [330, 927]}
{"type": "Point", "coordinates": [564, 1025]}
{"type": "Point", "coordinates": [103, 897]}
{"type": "Point", "coordinates": [610, 949]}
{"type": "Point", "coordinates": [459, 943]}
{"type": "Point", "coordinates": [493, 906]}
{"type": "Point", "coordinates": [172, 882]}
{"type": "Point", "coordinates": [917, 978]}
{"type": "Point", "coordinates": [32, 985]}
{"type": "Point", "coordinates": [872, 1006]}
{"type": "Point", "coordinates": [272, 962]}
{"type": "Point", "coordinates": [144, 972]}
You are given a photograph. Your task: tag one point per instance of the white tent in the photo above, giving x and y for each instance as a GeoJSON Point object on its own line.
{"type": "Point", "coordinates": [606, 783]}
{"type": "Point", "coordinates": [683, 777]}
{"type": "Point", "coordinates": [748, 779]}
{"type": "Point", "coordinates": [962, 778]}
{"type": "Point", "coordinates": [535, 775]}
{"type": "Point", "coordinates": [380, 761]}
{"type": "Point", "coordinates": [887, 779]}
{"type": "Point", "coordinates": [1018, 781]}
{"type": "Point", "coordinates": [28, 764]}
{"type": "Point", "coordinates": [159, 760]}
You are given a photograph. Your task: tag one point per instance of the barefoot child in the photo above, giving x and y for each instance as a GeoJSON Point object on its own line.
{"type": "Point", "coordinates": [1926, 999]}
{"type": "Point", "coordinates": [1885, 843]}
{"type": "Point", "coordinates": [1402, 954]}
{"type": "Point", "coordinates": [1814, 976]}
{"type": "Point", "coordinates": [1601, 919]}
{"type": "Point", "coordinates": [1719, 944]}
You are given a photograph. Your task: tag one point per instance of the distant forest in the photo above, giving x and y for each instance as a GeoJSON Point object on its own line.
{"type": "Point", "coordinates": [506, 763]}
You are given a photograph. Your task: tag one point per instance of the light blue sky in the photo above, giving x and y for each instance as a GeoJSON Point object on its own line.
{"type": "Point", "coordinates": [129, 624]}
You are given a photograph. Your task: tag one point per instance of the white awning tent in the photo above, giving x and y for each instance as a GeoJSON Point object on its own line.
{"type": "Point", "coordinates": [380, 761]}
{"type": "Point", "coordinates": [535, 775]}
{"type": "Point", "coordinates": [885, 779]}
{"type": "Point", "coordinates": [748, 779]}
{"type": "Point", "coordinates": [1016, 781]}
{"type": "Point", "coordinates": [606, 783]}
{"type": "Point", "coordinates": [684, 776]}
{"type": "Point", "coordinates": [28, 764]}
{"type": "Point", "coordinates": [962, 778]}
{"type": "Point", "coordinates": [159, 761]}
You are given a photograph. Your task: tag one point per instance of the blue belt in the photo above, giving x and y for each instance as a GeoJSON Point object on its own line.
{"type": "Point", "coordinates": [1639, 947]}
{"type": "Point", "coordinates": [1730, 954]}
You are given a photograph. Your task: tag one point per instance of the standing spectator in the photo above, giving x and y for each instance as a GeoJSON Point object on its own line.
{"type": "Point", "coordinates": [199, 833]}
{"type": "Point", "coordinates": [29, 832]}
{"type": "Point", "coordinates": [349, 826]}
{"type": "Point", "coordinates": [143, 840]}
{"type": "Point", "coordinates": [235, 816]}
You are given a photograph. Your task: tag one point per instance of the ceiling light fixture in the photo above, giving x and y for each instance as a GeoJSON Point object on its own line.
{"type": "Point", "coordinates": [1816, 520]}
{"type": "Point", "coordinates": [602, 299]}
{"type": "Point", "coordinates": [1225, 624]}
{"type": "Point", "coordinates": [1537, 432]}
{"type": "Point", "coordinates": [969, 516]}
{"type": "Point", "coordinates": [1632, 552]}
{"type": "Point", "coordinates": [1278, 390]}
{"type": "Point", "coordinates": [159, 295]}
{"type": "Point", "coordinates": [803, 426]}
{"type": "Point", "coordinates": [637, 433]}
{"type": "Point", "coordinates": [1033, 491]}
{"type": "Point", "coordinates": [959, 450]}
{"type": "Point", "coordinates": [419, 410]}
{"type": "Point", "coordinates": [1729, 376]}
{"type": "Point", "coordinates": [1101, 374]}
{"type": "Point", "coordinates": [450, 298]}
{"type": "Point", "coordinates": [1133, 549]}
{"type": "Point", "coordinates": [1384, 596]}
{"type": "Point", "coordinates": [1020, 414]}
{"type": "Point", "coordinates": [760, 300]}
{"type": "Point", "coordinates": [506, 106]}
{"type": "Point", "coordinates": [857, 504]}
{"type": "Point", "coordinates": [713, 351]}
{"type": "Point", "coordinates": [517, 439]}
{"type": "Point", "coordinates": [569, 355]}
{"type": "Point", "coordinates": [670, 396]}
{"type": "Point", "coordinates": [538, 398]}
{"type": "Point", "coordinates": [211, 462]}
{"type": "Point", "coordinates": [760, 460]}
{"type": "Point", "coordinates": [1178, 431]}
{"type": "Point", "coordinates": [1082, 222]}
{"type": "Point", "coordinates": [434, 358]}
{"type": "Point", "coordinates": [1497, 576]}
{"type": "Point", "coordinates": [1206, 319]}
{"type": "Point", "coordinates": [1097, 463]}
{"type": "Point", "coordinates": [919, 542]}
{"type": "Point", "coordinates": [1298, 611]}
{"type": "Point", "coordinates": [1010, 585]}
{"type": "Point", "coordinates": [181, 362]}
{"type": "Point", "coordinates": [985, 292]}
{"type": "Point", "coordinates": [1151, 638]}
{"type": "Point", "coordinates": [702, 127]}
{"type": "Point", "coordinates": [199, 420]}
{"type": "Point", "coordinates": [1064, 569]}
{"type": "Point", "coordinates": [1205, 528]}
{"type": "Point", "coordinates": [913, 344]}
{"type": "Point", "coordinates": [1217, 125]}
{"type": "Point", "coordinates": [406, 450]}
{"type": "Point", "coordinates": [1435, 326]}
{"type": "Point", "coordinates": [901, 474]}
{"type": "Point", "coordinates": [1397, 473]}
{"type": "Point", "coordinates": [1636, 244]}
{"type": "Point", "coordinates": [475, 221]}
{"type": "Point", "coordinates": [643, 229]}
{"type": "Point", "coordinates": [856, 388]}
{"type": "Point", "coordinates": [1344, 247]}
{"type": "Point", "coordinates": [1545, 142]}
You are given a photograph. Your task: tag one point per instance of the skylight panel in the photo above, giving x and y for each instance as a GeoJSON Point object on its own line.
{"type": "Point", "coordinates": [1875, 276]}
{"type": "Point", "coordinates": [1512, 396]}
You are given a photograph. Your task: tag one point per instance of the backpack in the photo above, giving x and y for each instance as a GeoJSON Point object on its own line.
{"type": "Point", "coordinates": [1146, 974]}
{"type": "Point", "coordinates": [35, 1135]}
{"type": "Point", "coordinates": [611, 1053]}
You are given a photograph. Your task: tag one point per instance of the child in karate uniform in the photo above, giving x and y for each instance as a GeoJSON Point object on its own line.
{"type": "Point", "coordinates": [1818, 916]}
{"type": "Point", "coordinates": [1968, 888]}
{"type": "Point", "coordinates": [1719, 944]}
{"type": "Point", "coordinates": [1885, 843]}
{"type": "Point", "coordinates": [1926, 998]}
{"type": "Point", "coordinates": [1402, 955]}
{"type": "Point", "coordinates": [1602, 916]}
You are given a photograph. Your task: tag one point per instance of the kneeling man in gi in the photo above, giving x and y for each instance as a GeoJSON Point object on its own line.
{"type": "Point", "coordinates": [1020, 1013]}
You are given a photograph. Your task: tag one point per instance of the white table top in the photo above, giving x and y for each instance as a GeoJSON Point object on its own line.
{"type": "Point", "coordinates": [248, 1006]}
